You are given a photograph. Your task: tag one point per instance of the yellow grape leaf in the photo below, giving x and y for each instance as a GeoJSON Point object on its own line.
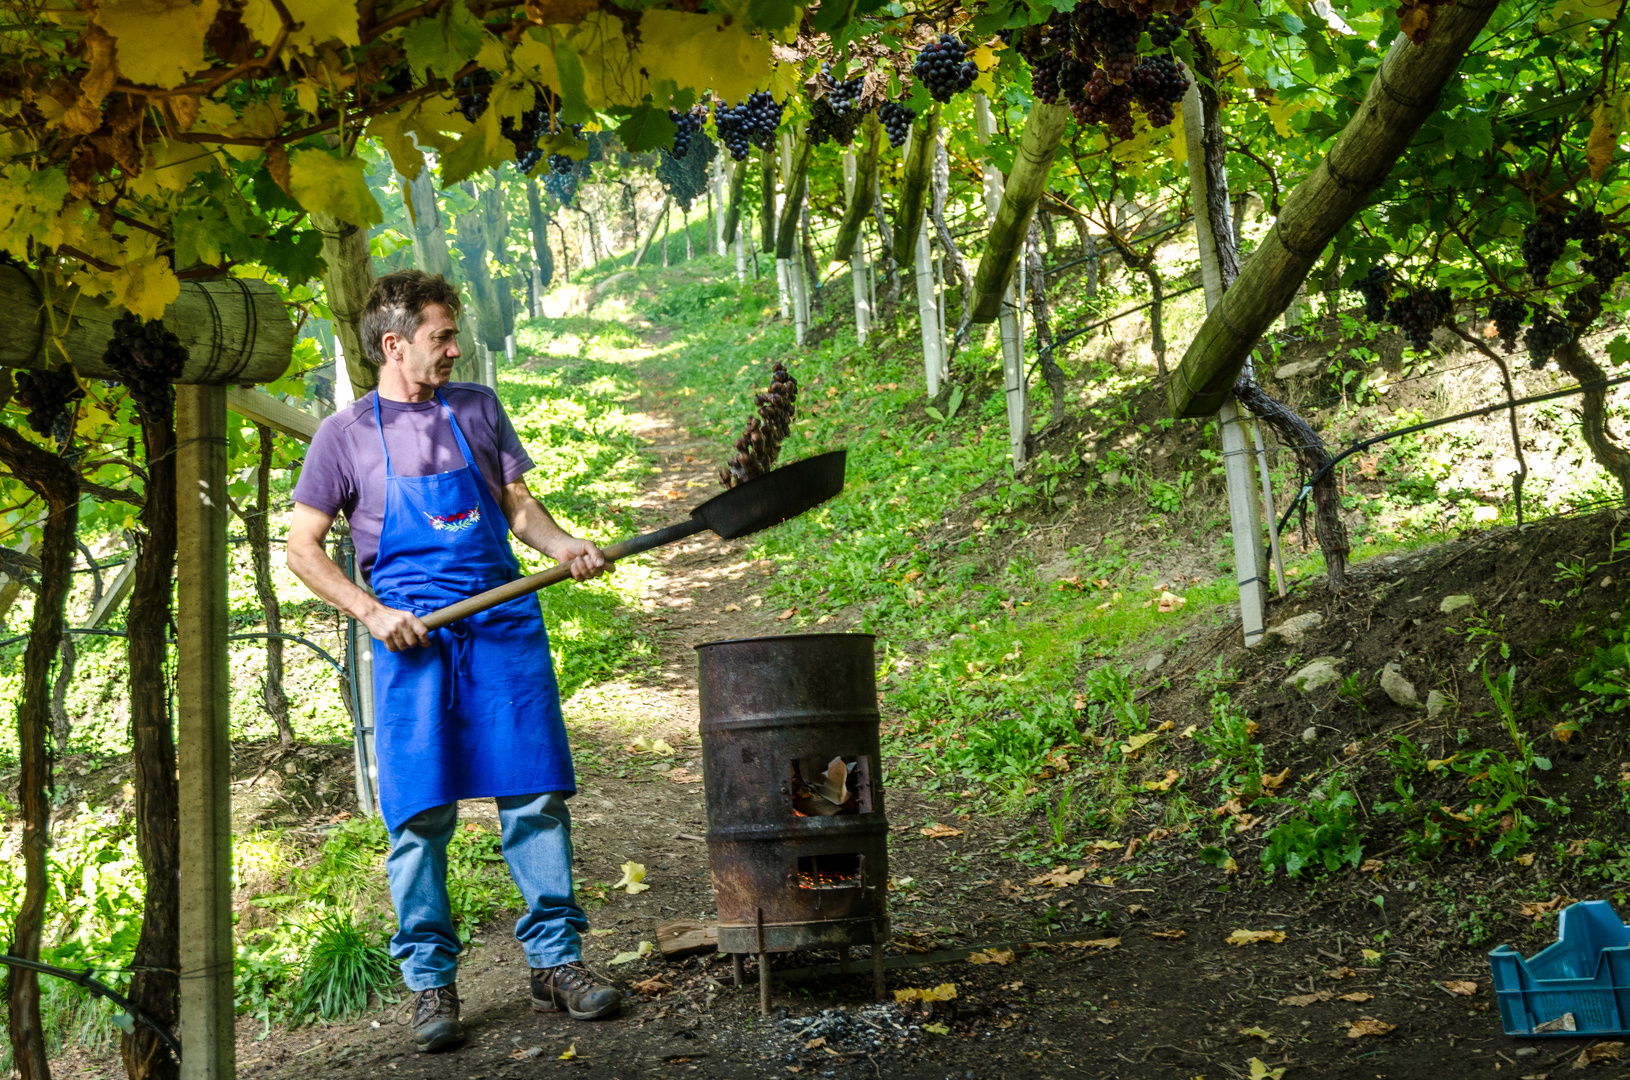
{"type": "Point", "coordinates": [393, 132]}
{"type": "Point", "coordinates": [937, 1029]}
{"type": "Point", "coordinates": [626, 957]}
{"type": "Point", "coordinates": [145, 286]}
{"type": "Point", "coordinates": [1369, 1026]}
{"type": "Point", "coordinates": [1251, 937]}
{"type": "Point", "coordinates": [936, 831]}
{"type": "Point", "coordinates": [703, 51]}
{"type": "Point", "coordinates": [1371, 956]}
{"type": "Point", "coordinates": [1058, 877]}
{"type": "Point", "coordinates": [172, 165]}
{"type": "Point", "coordinates": [1138, 742]}
{"type": "Point", "coordinates": [661, 748]}
{"type": "Point", "coordinates": [942, 992]}
{"type": "Point", "coordinates": [999, 957]}
{"type": "Point", "coordinates": [611, 72]}
{"type": "Point", "coordinates": [534, 56]}
{"type": "Point", "coordinates": [1161, 785]}
{"type": "Point", "coordinates": [1357, 996]}
{"type": "Point", "coordinates": [161, 41]}
{"type": "Point", "coordinates": [1105, 845]}
{"type": "Point", "coordinates": [323, 21]}
{"type": "Point", "coordinates": [1260, 1071]}
{"type": "Point", "coordinates": [1603, 140]}
{"type": "Point", "coordinates": [570, 1053]}
{"type": "Point", "coordinates": [327, 183]}
{"type": "Point", "coordinates": [1462, 987]}
{"type": "Point", "coordinates": [633, 879]}
{"type": "Point", "coordinates": [1571, 11]}
{"type": "Point", "coordinates": [1257, 1033]}
{"type": "Point", "coordinates": [1280, 112]}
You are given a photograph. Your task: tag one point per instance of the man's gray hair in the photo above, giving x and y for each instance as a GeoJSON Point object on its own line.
{"type": "Point", "coordinates": [396, 305]}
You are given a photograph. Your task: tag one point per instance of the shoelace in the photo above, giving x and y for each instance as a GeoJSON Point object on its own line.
{"type": "Point", "coordinates": [444, 997]}
{"type": "Point", "coordinates": [572, 977]}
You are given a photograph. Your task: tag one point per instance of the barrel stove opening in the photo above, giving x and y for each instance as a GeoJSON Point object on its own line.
{"type": "Point", "coordinates": [830, 871]}
{"type": "Point", "coordinates": [796, 830]}
{"type": "Point", "coordinates": [825, 788]}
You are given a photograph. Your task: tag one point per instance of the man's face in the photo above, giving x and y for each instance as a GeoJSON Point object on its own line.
{"type": "Point", "coordinates": [427, 358]}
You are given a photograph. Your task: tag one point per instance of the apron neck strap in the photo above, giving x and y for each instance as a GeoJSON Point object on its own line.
{"type": "Point", "coordinates": [458, 433]}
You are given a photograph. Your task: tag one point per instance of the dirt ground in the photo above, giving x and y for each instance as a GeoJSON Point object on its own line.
{"type": "Point", "coordinates": [1129, 975]}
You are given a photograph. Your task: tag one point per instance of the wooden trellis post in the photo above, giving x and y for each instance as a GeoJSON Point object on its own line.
{"type": "Point", "coordinates": [1013, 375]}
{"type": "Point", "coordinates": [1245, 522]}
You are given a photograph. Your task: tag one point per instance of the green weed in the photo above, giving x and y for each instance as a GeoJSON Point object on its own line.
{"type": "Point", "coordinates": [346, 966]}
{"type": "Point", "coordinates": [1323, 838]}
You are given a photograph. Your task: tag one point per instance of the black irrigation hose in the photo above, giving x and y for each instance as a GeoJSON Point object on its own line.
{"type": "Point", "coordinates": [1071, 335]}
{"type": "Point", "coordinates": [1411, 429]}
{"type": "Point", "coordinates": [308, 643]}
{"type": "Point", "coordinates": [100, 989]}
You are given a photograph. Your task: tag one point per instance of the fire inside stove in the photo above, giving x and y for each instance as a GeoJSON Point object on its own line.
{"type": "Point", "coordinates": [829, 871]}
{"type": "Point", "coordinates": [822, 787]}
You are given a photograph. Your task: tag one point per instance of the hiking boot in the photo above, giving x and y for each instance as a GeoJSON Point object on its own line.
{"type": "Point", "coordinates": [435, 1019]}
{"type": "Point", "coordinates": [570, 986]}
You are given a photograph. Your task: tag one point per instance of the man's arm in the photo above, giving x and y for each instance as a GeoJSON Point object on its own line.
{"type": "Point", "coordinates": [397, 629]}
{"type": "Point", "coordinates": [537, 530]}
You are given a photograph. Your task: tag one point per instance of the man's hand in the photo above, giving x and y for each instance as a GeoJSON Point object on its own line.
{"type": "Point", "coordinates": [399, 630]}
{"type": "Point", "coordinates": [584, 556]}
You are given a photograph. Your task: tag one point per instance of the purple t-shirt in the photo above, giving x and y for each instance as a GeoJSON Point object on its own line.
{"type": "Point", "coordinates": [345, 467]}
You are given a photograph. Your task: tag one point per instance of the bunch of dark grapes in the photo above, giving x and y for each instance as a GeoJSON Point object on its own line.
{"type": "Point", "coordinates": [1508, 314]}
{"type": "Point", "coordinates": [562, 185]}
{"type": "Point", "coordinates": [1607, 262]}
{"type": "Point", "coordinates": [1542, 245]}
{"type": "Point", "coordinates": [943, 68]}
{"type": "Point", "coordinates": [534, 125]}
{"type": "Point", "coordinates": [1546, 334]}
{"type": "Point", "coordinates": [896, 120]}
{"type": "Point", "coordinates": [149, 359]}
{"type": "Point", "coordinates": [1418, 313]}
{"type": "Point", "coordinates": [1109, 36]}
{"type": "Point", "coordinates": [46, 395]}
{"type": "Point", "coordinates": [1108, 105]}
{"type": "Point", "coordinates": [765, 112]}
{"type": "Point", "coordinates": [760, 443]}
{"type": "Point", "coordinates": [1158, 83]}
{"type": "Point", "coordinates": [686, 178]}
{"type": "Point", "coordinates": [734, 124]}
{"type": "Point", "coordinates": [1585, 226]}
{"type": "Point", "coordinates": [1044, 79]}
{"type": "Point", "coordinates": [472, 94]}
{"type": "Point", "coordinates": [686, 125]}
{"type": "Point", "coordinates": [1073, 77]}
{"type": "Point", "coordinates": [1166, 27]}
{"type": "Point", "coordinates": [1373, 287]}
{"type": "Point", "coordinates": [838, 112]}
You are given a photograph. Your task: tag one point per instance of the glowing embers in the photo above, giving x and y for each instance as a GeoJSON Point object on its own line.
{"type": "Point", "coordinates": [822, 787]}
{"type": "Point", "coordinates": [829, 871]}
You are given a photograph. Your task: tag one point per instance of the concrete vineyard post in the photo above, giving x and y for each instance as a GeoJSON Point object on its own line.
{"type": "Point", "coordinates": [1043, 129]}
{"type": "Point", "coordinates": [928, 311]}
{"type": "Point", "coordinates": [650, 234]}
{"type": "Point", "coordinates": [1245, 523]}
{"type": "Point", "coordinates": [1402, 94]}
{"type": "Point", "coordinates": [1013, 373]}
{"type": "Point", "coordinates": [858, 193]}
{"type": "Point", "coordinates": [204, 746]}
{"type": "Point", "coordinates": [732, 213]}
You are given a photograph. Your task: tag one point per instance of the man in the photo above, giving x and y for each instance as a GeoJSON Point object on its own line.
{"type": "Point", "coordinates": [428, 472]}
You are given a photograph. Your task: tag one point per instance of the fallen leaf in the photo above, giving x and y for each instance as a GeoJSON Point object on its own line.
{"type": "Point", "coordinates": [937, 1029]}
{"type": "Point", "coordinates": [570, 1053]}
{"type": "Point", "coordinates": [785, 615]}
{"type": "Point", "coordinates": [1161, 785]}
{"type": "Point", "coordinates": [732, 607]}
{"type": "Point", "coordinates": [1169, 603]}
{"type": "Point", "coordinates": [633, 879]}
{"type": "Point", "coordinates": [1107, 882]}
{"type": "Point", "coordinates": [1371, 866]}
{"type": "Point", "coordinates": [1246, 822]}
{"type": "Point", "coordinates": [1371, 956]}
{"type": "Point", "coordinates": [600, 933]}
{"type": "Point", "coordinates": [1132, 847]}
{"type": "Point", "coordinates": [815, 1044]}
{"type": "Point", "coordinates": [1252, 727]}
{"type": "Point", "coordinates": [1350, 749]}
{"type": "Point", "coordinates": [654, 985]}
{"type": "Point", "coordinates": [1526, 859]}
{"type": "Point", "coordinates": [1251, 937]}
{"type": "Point", "coordinates": [1357, 995]}
{"type": "Point", "coordinates": [1058, 878]}
{"type": "Point", "coordinates": [1170, 935]}
{"type": "Point", "coordinates": [1538, 909]}
{"type": "Point", "coordinates": [1342, 972]}
{"type": "Point", "coordinates": [937, 831]}
{"type": "Point", "coordinates": [1369, 1026]}
{"type": "Point", "coordinates": [1105, 845]}
{"type": "Point", "coordinates": [1260, 1071]}
{"type": "Point", "coordinates": [1302, 1001]}
{"type": "Point", "coordinates": [685, 776]}
{"type": "Point", "coordinates": [1095, 943]}
{"type": "Point", "coordinates": [1256, 1032]}
{"type": "Point", "coordinates": [526, 1053]}
{"type": "Point", "coordinates": [1464, 987]}
{"type": "Point", "coordinates": [1138, 742]}
{"type": "Point", "coordinates": [999, 957]}
{"type": "Point", "coordinates": [1590, 1055]}
{"type": "Point", "coordinates": [1275, 781]}
{"type": "Point", "coordinates": [942, 992]}
{"type": "Point", "coordinates": [633, 954]}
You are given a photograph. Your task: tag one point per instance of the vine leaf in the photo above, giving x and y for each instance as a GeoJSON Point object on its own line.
{"type": "Point", "coordinates": [163, 39]}
{"type": "Point", "coordinates": [323, 182]}
{"type": "Point", "coordinates": [704, 50]}
{"type": "Point", "coordinates": [318, 22]}
{"type": "Point", "coordinates": [445, 43]}
{"type": "Point", "coordinates": [1605, 121]}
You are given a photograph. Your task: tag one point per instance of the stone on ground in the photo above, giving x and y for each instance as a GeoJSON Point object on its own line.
{"type": "Point", "coordinates": [1398, 688]}
{"type": "Point", "coordinates": [1320, 672]}
{"type": "Point", "coordinates": [1294, 629]}
{"type": "Point", "coordinates": [1452, 604]}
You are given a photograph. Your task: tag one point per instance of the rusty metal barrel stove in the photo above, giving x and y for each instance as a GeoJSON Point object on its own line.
{"type": "Point", "coordinates": [796, 832]}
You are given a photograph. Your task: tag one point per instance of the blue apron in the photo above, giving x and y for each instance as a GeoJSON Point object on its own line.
{"type": "Point", "coordinates": [476, 713]}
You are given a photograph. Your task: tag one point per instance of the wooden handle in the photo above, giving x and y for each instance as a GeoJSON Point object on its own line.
{"type": "Point", "coordinates": [542, 580]}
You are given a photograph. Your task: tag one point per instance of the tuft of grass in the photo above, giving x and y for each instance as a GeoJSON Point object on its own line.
{"type": "Point", "coordinates": [345, 967]}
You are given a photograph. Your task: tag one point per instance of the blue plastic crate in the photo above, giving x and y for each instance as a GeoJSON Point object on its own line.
{"type": "Point", "coordinates": [1586, 973]}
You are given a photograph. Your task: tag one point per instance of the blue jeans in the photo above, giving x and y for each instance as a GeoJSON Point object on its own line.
{"type": "Point", "coordinates": [537, 844]}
